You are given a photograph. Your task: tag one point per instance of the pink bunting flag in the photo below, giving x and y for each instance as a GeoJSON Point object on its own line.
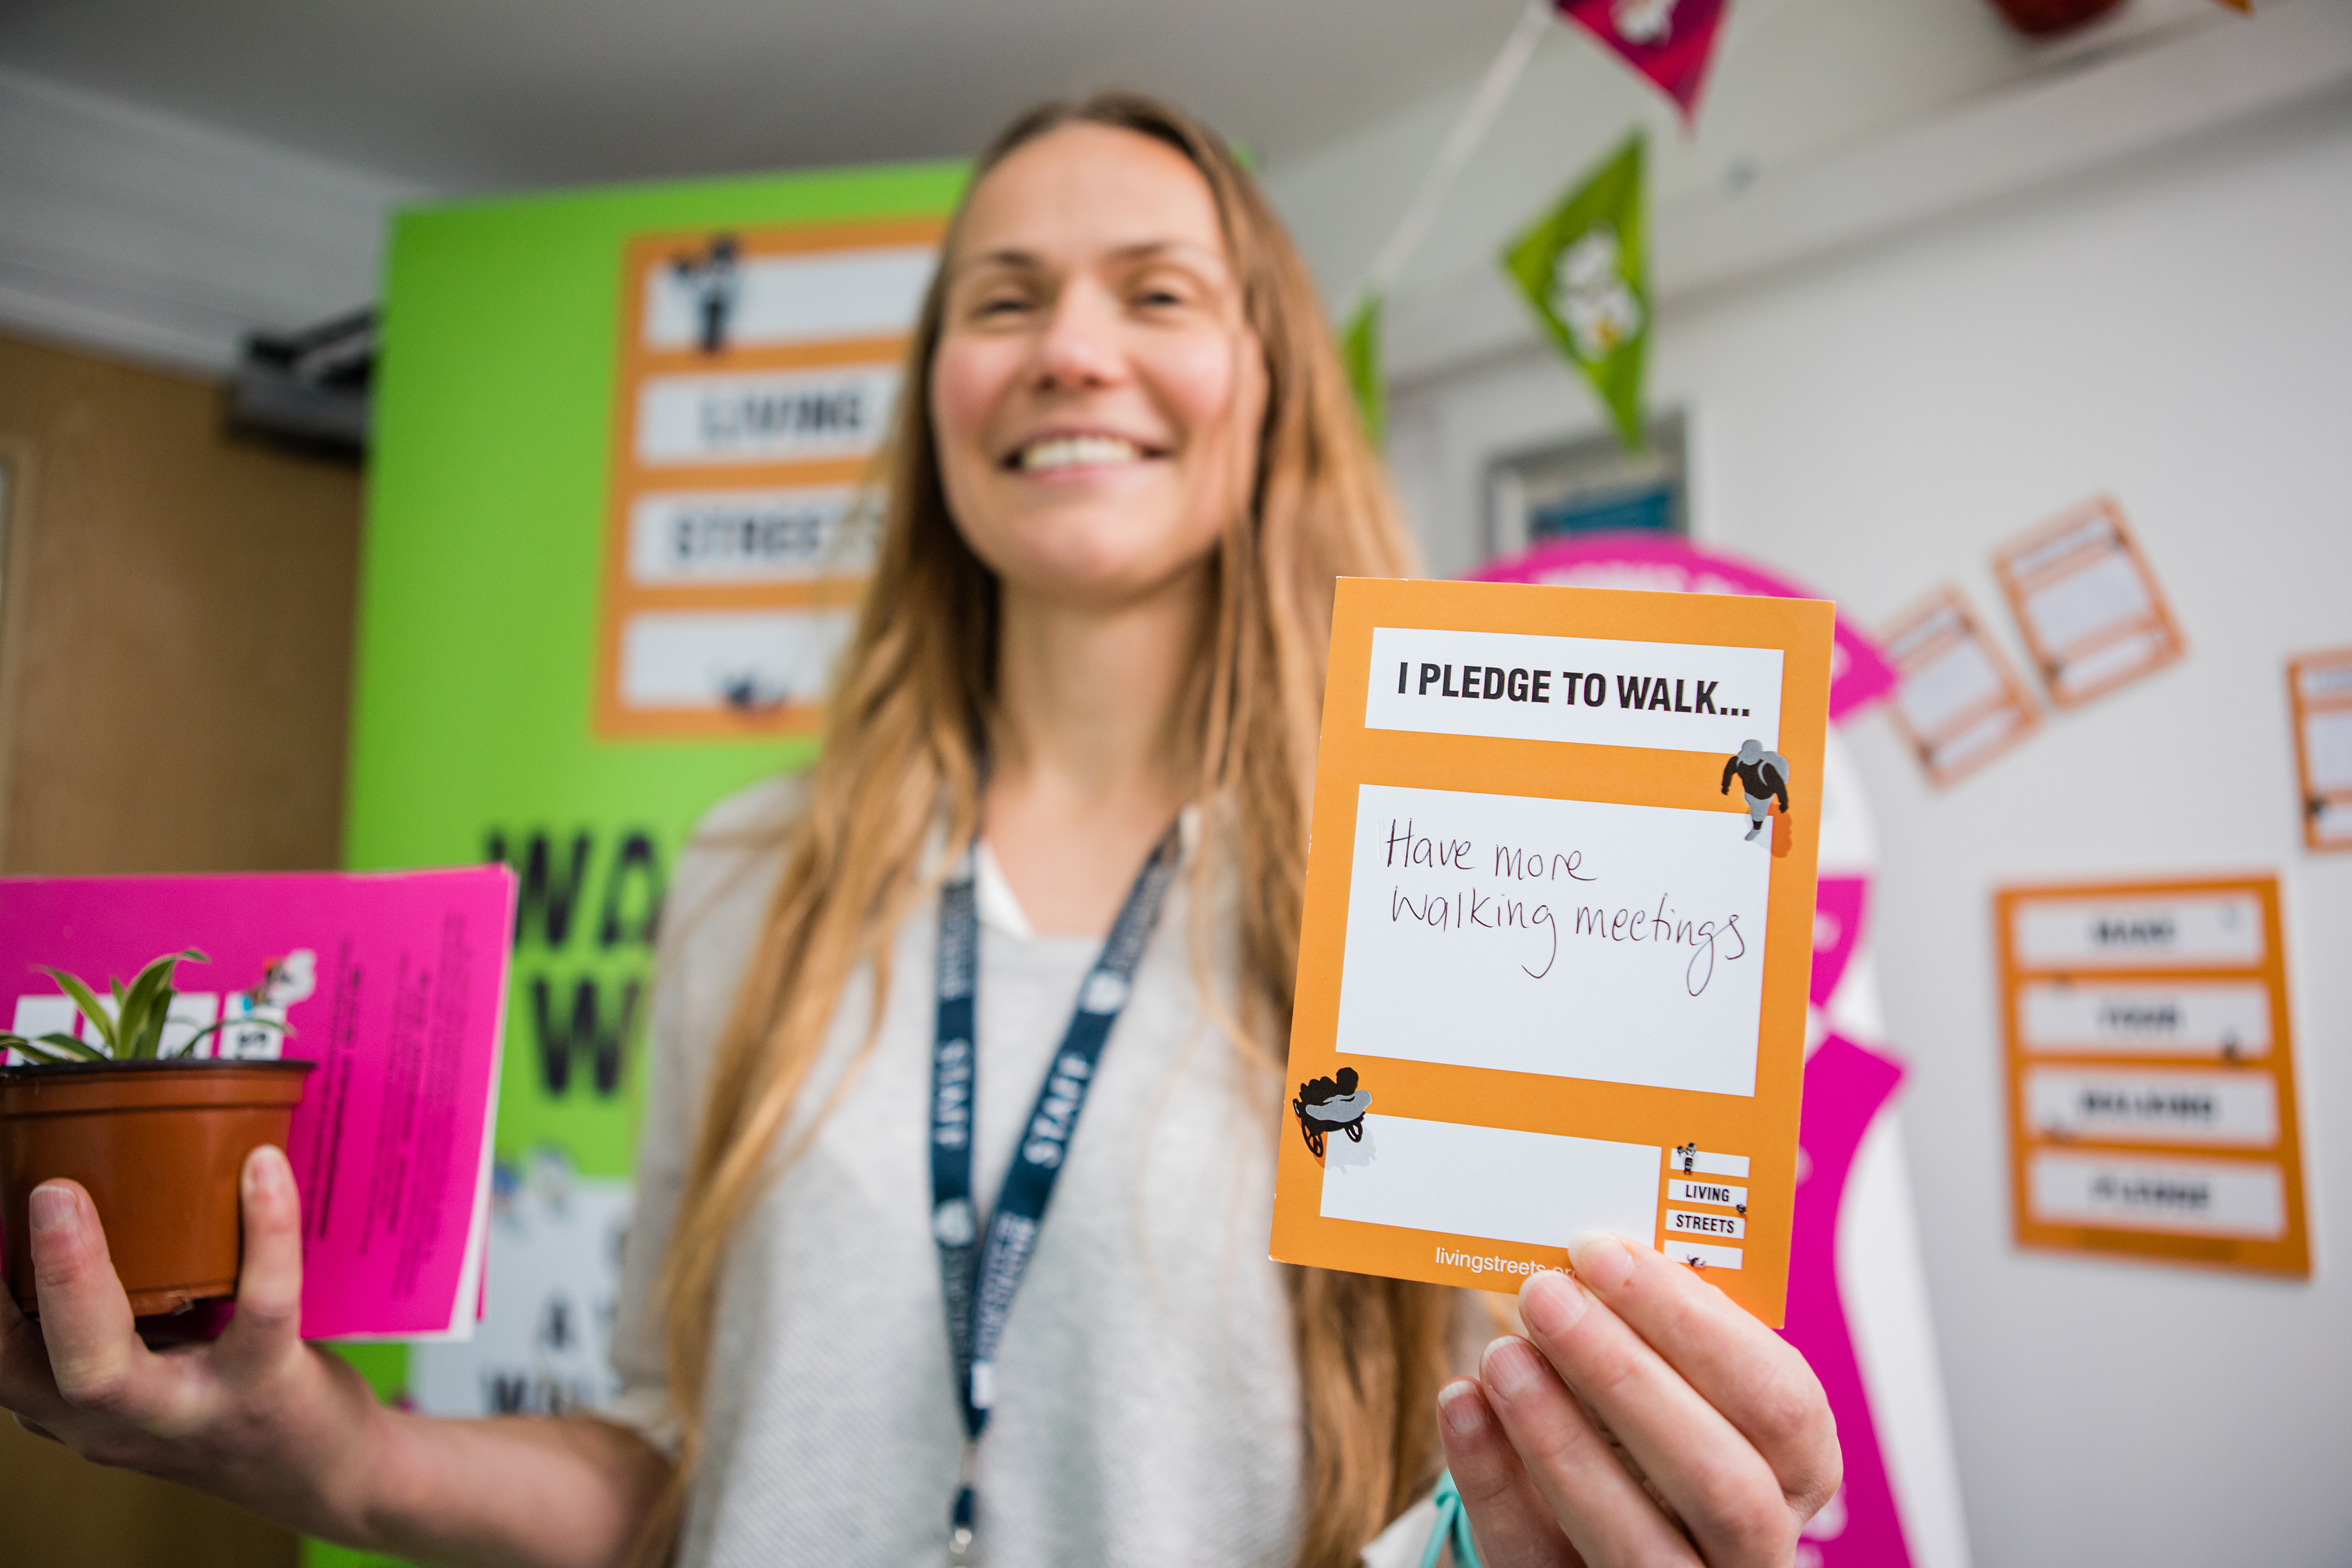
{"type": "Point", "coordinates": [1668, 41]}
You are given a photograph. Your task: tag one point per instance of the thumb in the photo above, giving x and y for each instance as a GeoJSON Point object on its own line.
{"type": "Point", "coordinates": [269, 1283]}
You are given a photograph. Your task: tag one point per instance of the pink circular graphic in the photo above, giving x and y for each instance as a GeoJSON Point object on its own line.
{"type": "Point", "coordinates": [1859, 674]}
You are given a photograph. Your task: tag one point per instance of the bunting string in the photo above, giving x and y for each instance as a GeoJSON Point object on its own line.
{"type": "Point", "coordinates": [1454, 153]}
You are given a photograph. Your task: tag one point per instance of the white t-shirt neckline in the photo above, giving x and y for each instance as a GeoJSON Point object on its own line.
{"type": "Point", "coordinates": [1000, 907]}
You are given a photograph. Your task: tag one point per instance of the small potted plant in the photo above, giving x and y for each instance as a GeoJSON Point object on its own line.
{"type": "Point", "coordinates": [157, 1140]}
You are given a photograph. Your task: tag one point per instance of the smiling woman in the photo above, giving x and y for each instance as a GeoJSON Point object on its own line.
{"type": "Point", "coordinates": [1116, 518]}
{"type": "Point", "coordinates": [930, 1044]}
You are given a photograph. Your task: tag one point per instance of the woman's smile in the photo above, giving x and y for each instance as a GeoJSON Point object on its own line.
{"type": "Point", "coordinates": [1063, 455]}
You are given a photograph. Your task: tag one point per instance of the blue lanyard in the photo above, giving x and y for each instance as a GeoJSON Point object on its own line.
{"type": "Point", "coordinates": [979, 1274]}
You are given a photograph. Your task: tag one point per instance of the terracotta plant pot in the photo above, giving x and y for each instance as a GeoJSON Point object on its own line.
{"type": "Point", "coordinates": [159, 1146]}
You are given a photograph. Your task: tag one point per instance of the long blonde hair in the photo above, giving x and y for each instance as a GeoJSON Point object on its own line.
{"type": "Point", "coordinates": [902, 747]}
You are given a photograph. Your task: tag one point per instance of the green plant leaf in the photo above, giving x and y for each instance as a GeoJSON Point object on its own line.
{"type": "Point", "coordinates": [247, 1021]}
{"type": "Point", "coordinates": [86, 1000]}
{"type": "Point", "coordinates": [148, 1043]}
{"type": "Point", "coordinates": [72, 1047]}
{"type": "Point", "coordinates": [51, 1050]}
{"type": "Point", "coordinates": [130, 1024]}
{"type": "Point", "coordinates": [17, 1042]}
{"type": "Point", "coordinates": [131, 1015]}
{"type": "Point", "coordinates": [138, 1027]}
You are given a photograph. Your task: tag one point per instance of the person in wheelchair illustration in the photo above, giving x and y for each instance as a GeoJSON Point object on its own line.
{"type": "Point", "coordinates": [1329, 1105]}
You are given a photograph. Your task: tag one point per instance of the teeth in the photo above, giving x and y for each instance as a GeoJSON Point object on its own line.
{"type": "Point", "coordinates": [1078, 450]}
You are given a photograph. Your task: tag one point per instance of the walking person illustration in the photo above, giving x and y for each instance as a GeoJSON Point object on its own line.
{"type": "Point", "coordinates": [1764, 778]}
{"type": "Point", "coordinates": [717, 282]}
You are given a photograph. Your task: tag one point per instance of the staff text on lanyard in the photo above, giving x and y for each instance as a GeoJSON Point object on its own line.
{"type": "Point", "coordinates": [980, 1273]}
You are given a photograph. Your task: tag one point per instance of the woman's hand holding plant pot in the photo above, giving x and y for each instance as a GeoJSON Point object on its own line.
{"type": "Point", "coordinates": [256, 1417]}
{"type": "Point", "coordinates": [276, 1426]}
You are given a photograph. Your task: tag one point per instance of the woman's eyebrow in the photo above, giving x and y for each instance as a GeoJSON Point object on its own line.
{"type": "Point", "coordinates": [1014, 259]}
{"type": "Point", "coordinates": [1145, 250]}
{"type": "Point", "coordinates": [1011, 259]}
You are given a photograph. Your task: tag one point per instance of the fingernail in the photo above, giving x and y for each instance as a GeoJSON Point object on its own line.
{"type": "Point", "coordinates": [1464, 1412]}
{"type": "Point", "coordinates": [1600, 1259]}
{"type": "Point", "coordinates": [49, 1208]}
{"type": "Point", "coordinates": [1509, 1367]}
{"type": "Point", "coordinates": [264, 1169]}
{"type": "Point", "coordinates": [1551, 1303]}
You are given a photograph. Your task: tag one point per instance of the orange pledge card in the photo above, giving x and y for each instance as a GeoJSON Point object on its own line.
{"type": "Point", "coordinates": [1559, 925]}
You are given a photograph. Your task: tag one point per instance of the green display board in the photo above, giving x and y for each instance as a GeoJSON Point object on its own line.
{"type": "Point", "coordinates": [475, 733]}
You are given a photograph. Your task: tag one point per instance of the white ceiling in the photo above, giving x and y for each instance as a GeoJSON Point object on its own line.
{"type": "Point", "coordinates": [476, 94]}
{"type": "Point", "coordinates": [174, 175]}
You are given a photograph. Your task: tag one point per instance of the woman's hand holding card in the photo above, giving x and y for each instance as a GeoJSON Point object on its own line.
{"type": "Point", "coordinates": [1645, 1419]}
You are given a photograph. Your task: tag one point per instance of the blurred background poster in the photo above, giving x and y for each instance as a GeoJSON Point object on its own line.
{"type": "Point", "coordinates": [610, 536]}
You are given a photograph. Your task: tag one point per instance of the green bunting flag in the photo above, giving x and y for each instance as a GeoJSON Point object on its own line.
{"type": "Point", "coordinates": [1359, 352]}
{"type": "Point", "coordinates": [1581, 266]}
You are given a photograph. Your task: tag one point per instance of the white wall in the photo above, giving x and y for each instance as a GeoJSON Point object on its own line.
{"type": "Point", "coordinates": [2179, 332]}
{"type": "Point", "coordinates": [150, 235]}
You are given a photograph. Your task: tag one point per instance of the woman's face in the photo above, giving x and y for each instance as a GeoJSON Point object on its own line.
{"type": "Point", "coordinates": [1096, 391]}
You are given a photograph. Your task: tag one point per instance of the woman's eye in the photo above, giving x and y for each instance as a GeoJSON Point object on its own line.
{"type": "Point", "coordinates": [999, 306]}
{"type": "Point", "coordinates": [1161, 295]}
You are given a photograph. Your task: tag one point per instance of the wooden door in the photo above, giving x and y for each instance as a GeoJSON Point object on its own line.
{"type": "Point", "coordinates": [175, 645]}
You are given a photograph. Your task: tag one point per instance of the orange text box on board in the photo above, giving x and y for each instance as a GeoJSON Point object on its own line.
{"type": "Point", "coordinates": [1557, 931]}
{"type": "Point", "coordinates": [759, 376]}
{"type": "Point", "coordinates": [2151, 1071]}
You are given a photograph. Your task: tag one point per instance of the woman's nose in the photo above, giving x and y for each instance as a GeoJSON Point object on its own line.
{"type": "Point", "coordinates": [1080, 346]}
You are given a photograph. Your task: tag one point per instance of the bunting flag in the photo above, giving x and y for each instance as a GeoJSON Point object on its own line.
{"type": "Point", "coordinates": [1582, 267]}
{"type": "Point", "coordinates": [1668, 41]}
{"type": "Point", "coordinates": [1359, 352]}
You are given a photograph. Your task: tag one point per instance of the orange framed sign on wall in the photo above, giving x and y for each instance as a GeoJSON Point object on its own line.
{"type": "Point", "coordinates": [2091, 609]}
{"type": "Point", "coordinates": [1558, 932]}
{"type": "Point", "coordinates": [1960, 704]}
{"type": "Point", "coordinates": [2319, 693]}
{"type": "Point", "coordinates": [759, 372]}
{"type": "Point", "coordinates": [2151, 1071]}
